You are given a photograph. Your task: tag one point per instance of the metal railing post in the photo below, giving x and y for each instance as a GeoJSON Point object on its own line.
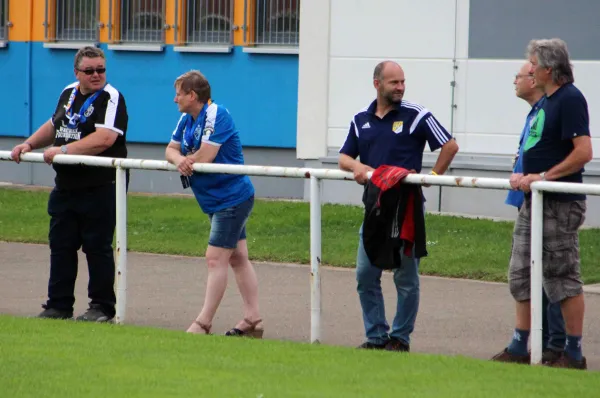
{"type": "Point", "coordinates": [537, 236]}
{"type": "Point", "coordinates": [315, 260]}
{"type": "Point", "coordinates": [121, 249]}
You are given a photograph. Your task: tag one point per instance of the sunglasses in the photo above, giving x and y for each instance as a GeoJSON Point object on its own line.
{"type": "Point", "coordinates": [90, 72]}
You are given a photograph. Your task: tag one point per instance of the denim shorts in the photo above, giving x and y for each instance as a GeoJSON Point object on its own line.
{"type": "Point", "coordinates": [228, 226]}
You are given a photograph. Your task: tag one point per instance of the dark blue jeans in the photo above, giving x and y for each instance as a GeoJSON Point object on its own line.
{"type": "Point", "coordinates": [554, 335]}
{"type": "Point", "coordinates": [83, 219]}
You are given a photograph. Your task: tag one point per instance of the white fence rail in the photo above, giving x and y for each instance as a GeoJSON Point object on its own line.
{"type": "Point", "coordinates": [315, 176]}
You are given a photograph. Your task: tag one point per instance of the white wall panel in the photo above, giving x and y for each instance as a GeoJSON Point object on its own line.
{"type": "Point", "coordinates": [337, 136]}
{"type": "Point", "coordinates": [313, 67]}
{"type": "Point", "coordinates": [393, 28]}
{"type": "Point", "coordinates": [351, 89]}
{"type": "Point", "coordinates": [587, 79]}
{"type": "Point", "coordinates": [490, 113]}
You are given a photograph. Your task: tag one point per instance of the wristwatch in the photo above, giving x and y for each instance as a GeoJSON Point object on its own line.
{"type": "Point", "coordinates": [543, 175]}
{"type": "Point", "coordinates": [63, 149]}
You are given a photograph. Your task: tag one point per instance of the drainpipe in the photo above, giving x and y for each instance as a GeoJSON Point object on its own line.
{"type": "Point", "coordinates": [453, 105]}
{"type": "Point", "coordinates": [28, 81]}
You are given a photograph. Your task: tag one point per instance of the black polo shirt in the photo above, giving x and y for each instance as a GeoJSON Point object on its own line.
{"type": "Point", "coordinates": [398, 139]}
{"type": "Point", "coordinates": [108, 110]}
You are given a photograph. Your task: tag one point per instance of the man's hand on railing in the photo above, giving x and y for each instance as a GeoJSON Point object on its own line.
{"type": "Point", "coordinates": [15, 154]}
{"type": "Point", "coordinates": [525, 182]}
{"type": "Point", "coordinates": [515, 180]}
{"type": "Point", "coordinates": [50, 153]}
{"type": "Point", "coordinates": [360, 173]}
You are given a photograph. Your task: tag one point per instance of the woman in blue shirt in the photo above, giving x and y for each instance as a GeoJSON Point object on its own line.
{"type": "Point", "coordinates": [206, 133]}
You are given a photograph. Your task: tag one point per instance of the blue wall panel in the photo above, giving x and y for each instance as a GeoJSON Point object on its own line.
{"type": "Point", "coordinates": [259, 90]}
{"type": "Point", "coordinates": [14, 86]}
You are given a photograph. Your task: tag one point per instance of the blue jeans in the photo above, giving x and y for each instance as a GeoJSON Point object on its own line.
{"type": "Point", "coordinates": [406, 279]}
{"type": "Point", "coordinates": [553, 325]}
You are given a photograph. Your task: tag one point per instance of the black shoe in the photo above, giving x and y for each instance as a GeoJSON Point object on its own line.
{"type": "Point", "coordinates": [549, 356]}
{"type": "Point", "coordinates": [397, 345]}
{"type": "Point", "coordinates": [569, 363]}
{"type": "Point", "coordinates": [506, 356]}
{"type": "Point", "coordinates": [53, 313]}
{"type": "Point", "coordinates": [371, 346]}
{"type": "Point", "coordinates": [95, 314]}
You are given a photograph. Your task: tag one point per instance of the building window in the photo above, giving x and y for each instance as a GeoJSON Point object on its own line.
{"type": "Point", "coordinates": [142, 21]}
{"type": "Point", "coordinates": [72, 20]}
{"type": "Point", "coordinates": [273, 22]}
{"type": "Point", "coordinates": [207, 22]}
{"type": "Point", "coordinates": [3, 20]}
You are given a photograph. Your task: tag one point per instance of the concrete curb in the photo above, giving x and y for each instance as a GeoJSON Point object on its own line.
{"type": "Point", "coordinates": [592, 289]}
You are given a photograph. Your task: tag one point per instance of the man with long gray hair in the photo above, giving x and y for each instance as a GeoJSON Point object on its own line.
{"type": "Point", "coordinates": [553, 325]}
{"type": "Point", "coordinates": [557, 149]}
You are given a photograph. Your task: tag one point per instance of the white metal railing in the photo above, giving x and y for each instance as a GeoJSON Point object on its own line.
{"type": "Point", "coordinates": [315, 176]}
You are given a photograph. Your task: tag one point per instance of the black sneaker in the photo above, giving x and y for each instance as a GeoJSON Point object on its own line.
{"type": "Point", "coordinates": [53, 313]}
{"type": "Point", "coordinates": [94, 314]}
{"type": "Point", "coordinates": [397, 345]}
{"type": "Point", "coordinates": [371, 346]}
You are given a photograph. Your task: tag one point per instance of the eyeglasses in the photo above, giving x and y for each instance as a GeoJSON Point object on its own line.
{"type": "Point", "coordinates": [90, 72]}
{"type": "Point", "coordinates": [520, 76]}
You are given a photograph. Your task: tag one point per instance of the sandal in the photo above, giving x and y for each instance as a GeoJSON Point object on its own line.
{"type": "Point", "coordinates": [205, 328]}
{"type": "Point", "coordinates": [253, 330]}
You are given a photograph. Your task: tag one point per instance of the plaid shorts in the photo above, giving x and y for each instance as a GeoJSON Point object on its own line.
{"type": "Point", "coordinates": [560, 258]}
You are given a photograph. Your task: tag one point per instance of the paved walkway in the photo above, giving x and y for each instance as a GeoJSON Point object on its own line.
{"type": "Point", "coordinates": [456, 317]}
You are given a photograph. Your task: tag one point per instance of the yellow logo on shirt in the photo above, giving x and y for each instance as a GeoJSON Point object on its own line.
{"type": "Point", "coordinates": [397, 127]}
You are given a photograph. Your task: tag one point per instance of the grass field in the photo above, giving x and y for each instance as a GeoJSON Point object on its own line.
{"type": "Point", "coordinates": [42, 358]}
{"type": "Point", "coordinates": [278, 231]}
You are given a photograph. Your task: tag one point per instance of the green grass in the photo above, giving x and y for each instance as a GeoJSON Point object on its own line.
{"type": "Point", "coordinates": [278, 231]}
{"type": "Point", "coordinates": [43, 358]}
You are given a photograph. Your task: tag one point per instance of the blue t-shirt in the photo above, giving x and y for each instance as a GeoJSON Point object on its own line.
{"type": "Point", "coordinates": [563, 116]}
{"type": "Point", "coordinates": [214, 126]}
{"type": "Point", "coordinates": [516, 198]}
{"type": "Point", "coordinates": [398, 139]}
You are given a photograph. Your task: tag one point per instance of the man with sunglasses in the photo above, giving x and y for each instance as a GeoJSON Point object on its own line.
{"type": "Point", "coordinates": [553, 325]}
{"type": "Point", "coordinates": [90, 119]}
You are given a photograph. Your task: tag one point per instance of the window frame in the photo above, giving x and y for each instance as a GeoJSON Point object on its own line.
{"type": "Point", "coordinates": [4, 23]}
{"type": "Point", "coordinates": [51, 27]}
{"type": "Point", "coordinates": [251, 42]}
{"type": "Point", "coordinates": [116, 32]}
{"type": "Point", "coordinates": [182, 18]}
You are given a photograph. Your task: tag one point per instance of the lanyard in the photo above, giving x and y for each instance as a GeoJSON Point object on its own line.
{"type": "Point", "coordinates": [80, 116]}
{"type": "Point", "coordinates": [190, 130]}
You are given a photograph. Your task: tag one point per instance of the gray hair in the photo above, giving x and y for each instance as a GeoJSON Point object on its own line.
{"type": "Point", "coordinates": [88, 52]}
{"type": "Point", "coordinates": [553, 54]}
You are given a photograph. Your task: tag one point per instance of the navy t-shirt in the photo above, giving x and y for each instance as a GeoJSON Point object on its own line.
{"type": "Point", "coordinates": [563, 116]}
{"type": "Point", "coordinates": [397, 139]}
